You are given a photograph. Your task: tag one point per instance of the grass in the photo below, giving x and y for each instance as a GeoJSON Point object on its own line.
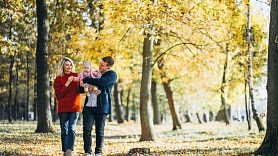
{"type": "Point", "coordinates": [212, 138]}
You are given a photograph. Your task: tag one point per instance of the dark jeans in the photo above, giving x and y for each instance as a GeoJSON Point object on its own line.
{"type": "Point", "coordinates": [90, 115]}
{"type": "Point", "coordinates": [68, 122]}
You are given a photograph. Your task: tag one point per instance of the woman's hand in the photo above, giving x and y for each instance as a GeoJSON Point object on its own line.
{"type": "Point", "coordinates": [69, 81]}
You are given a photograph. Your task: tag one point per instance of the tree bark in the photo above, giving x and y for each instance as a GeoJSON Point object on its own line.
{"type": "Point", "coordinates": [247, 108]}
{"type": "Point", "coordinates": [134, 113]}
{"type": "Point", "coordinates": [211, 117]}
{"type": "Point", "coordinates": [15, 108]}
{"type": "Point", "coordinates": [269, 145]}
{"type": "Point", "coordinates": [169, 95]}
{"type": "Point", "coordinates": [127, 105]}
{"type": "Point", "coordinates": [44, 124]}
{"type": "Point", "coordinates": [118, 106]}
{"type": "Point", "coordinates": [250, 82]}
{"type": "Point", "coordinates": [222, 89]}
{"type": "Point", "coordinates": [12, 58]}
{"type": "Point", "coordinates": [168, 91]}
{"type": "Point", "coordinates": [27, 90]}
{"type": "Point", "coordinates": [156, 113]}
{"type": "Point", "coordinates": [35, 97]}
{"type": "Point", "coordinates": [199, 118]}
{"type": "Point", "coordinates": [188, 116]}
{"type": "Point", "coordinates": [147, 127]}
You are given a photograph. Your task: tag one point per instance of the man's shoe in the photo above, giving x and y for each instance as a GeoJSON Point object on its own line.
{"type": "Point", "coordinates": [68, 152]}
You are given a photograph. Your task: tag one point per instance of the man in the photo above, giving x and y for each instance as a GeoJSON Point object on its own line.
{"type": "Point", "coordinates": [98, 113]}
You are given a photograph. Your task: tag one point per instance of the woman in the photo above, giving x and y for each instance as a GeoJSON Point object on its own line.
{"type": "Point", "coordinates": [68, 97]}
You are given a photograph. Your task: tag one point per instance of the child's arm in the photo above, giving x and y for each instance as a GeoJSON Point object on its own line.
{"type": "Point", "coordinates": [95, 74]}
{"type": "Point", "coordinates": [81, 77]}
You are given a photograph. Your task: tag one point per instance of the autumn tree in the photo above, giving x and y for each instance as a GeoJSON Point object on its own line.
{"type": "Point", "coordinates": [269, 145]}
{"type": "Point", "coordinates": [147, 133]}
{"type": "Point", "coordinates": [44, 124]}
{"type": "Point", "coordinates": [250, 71]}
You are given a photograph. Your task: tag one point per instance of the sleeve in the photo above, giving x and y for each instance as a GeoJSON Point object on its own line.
{"type": "Point", "coordinates": [104, 80]}
{"type": "Point", "coordinates": [81, 89]}
{"type": "Point", "coordinates": [59, 88]}
{"type": "Point", "coordinates": [95, 74]}
{"type": "Point", "coordinates": [81, 76]}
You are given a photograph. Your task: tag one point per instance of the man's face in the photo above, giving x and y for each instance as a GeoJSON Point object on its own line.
{"type": "Point", "coordinates": [103, 67]}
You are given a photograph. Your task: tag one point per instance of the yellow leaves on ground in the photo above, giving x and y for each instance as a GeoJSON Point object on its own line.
{"type": "Point", "coordinates": [212, 138]}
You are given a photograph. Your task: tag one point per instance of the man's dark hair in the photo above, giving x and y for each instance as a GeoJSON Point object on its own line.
{"type": "Point", "coordinates": [109, 60]}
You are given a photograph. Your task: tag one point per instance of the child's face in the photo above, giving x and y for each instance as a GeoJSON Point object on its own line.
{"type": "Point", "coordinates": [87, 68]}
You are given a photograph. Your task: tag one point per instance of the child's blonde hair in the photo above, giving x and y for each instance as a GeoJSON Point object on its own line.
{"type": "Point", "coordinates": [87, 63]}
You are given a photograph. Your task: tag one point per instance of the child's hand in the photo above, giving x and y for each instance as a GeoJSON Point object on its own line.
{"type": "Point", "coordinates": [81, 83]}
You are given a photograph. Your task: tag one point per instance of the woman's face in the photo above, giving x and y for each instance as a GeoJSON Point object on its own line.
{"type": "Point", "coordinates": [67, 67]}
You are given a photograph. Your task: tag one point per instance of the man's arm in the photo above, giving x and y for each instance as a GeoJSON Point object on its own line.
{"type": "Point", "coordinates": [106, 79]}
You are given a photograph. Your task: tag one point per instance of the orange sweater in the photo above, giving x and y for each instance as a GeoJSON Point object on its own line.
{"type": "Point", "coordinates": [68, 97]}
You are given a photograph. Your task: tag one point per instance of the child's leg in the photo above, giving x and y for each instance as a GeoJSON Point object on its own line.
{"type": "Point", "coordinates": [96, 91]}
{"type": "Point", "coordinates": [86, 89]}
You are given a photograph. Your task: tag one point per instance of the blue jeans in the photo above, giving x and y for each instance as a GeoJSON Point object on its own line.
{"type": "Point", "coordinates": [90, 115]}
{"type": "Point", "coordinates": [68, 122]}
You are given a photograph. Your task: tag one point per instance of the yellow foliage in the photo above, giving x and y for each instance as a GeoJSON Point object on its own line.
{"type": "Point", "coordinates": [199, 139]}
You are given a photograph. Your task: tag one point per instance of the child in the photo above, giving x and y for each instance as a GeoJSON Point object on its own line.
{"type": "Point", "coordinates": [92, 99]}
{"type": "Point", "coordinates": [87, 72]}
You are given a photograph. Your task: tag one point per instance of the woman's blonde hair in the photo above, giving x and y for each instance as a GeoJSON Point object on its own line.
{"type": "Point", "coordinates": [61, 65]}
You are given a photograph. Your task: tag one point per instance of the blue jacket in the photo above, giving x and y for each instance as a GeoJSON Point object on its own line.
{"type": "Point", "coordinates": [105, 85]}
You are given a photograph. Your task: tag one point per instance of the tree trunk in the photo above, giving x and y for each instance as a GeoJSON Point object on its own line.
{"type": "Point", "coordinates": [199, 118]}
{"type": "Point", "coordinates": [118, 106]}
{"type": "Point", "coordinates": [127, 105]}
{"type": "Point", "coordinates": [55, 111]}
{"type": "Point", "coordinates": [247, 108]}
{"type": "Point", "coordinates": [211, 117]}
{"type": "Point", "coordinates": [35, 97]}
{"type": "Point", "coordinates": [169, 95]}
{"type": "Point", "coordinates": [250, 82]}
{"type": "Point", "coordinates": [44, 124]}
{"type": "Point", "coordinates": [188, 116]}
{"type": "Point", "coordinates": [222, 89]}
{"type": "Point", "coordinates": [134, 113]}
{"type": "Point", "coordinates": [147, 127]}
{"type": "Point", "coordinates": [15, 107]}
{"type": "Point", "coordinates": [27, 90]}
{"type": "Point", "coordinates": [269, 145]}
{"type": "Point", "coordinates": [156, 113]}
{"type": "Point", "coordinates": [12, 58]}
{"type": "Point", "coordinates": [97, 14]}
{"type": "Point", "coordinates": [205, 117]}
{"type": "Point", "coordinates": [168, 91]}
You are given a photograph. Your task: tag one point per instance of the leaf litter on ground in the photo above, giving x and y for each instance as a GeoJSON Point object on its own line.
{"type": "Point", "coordinates": [211, 138]}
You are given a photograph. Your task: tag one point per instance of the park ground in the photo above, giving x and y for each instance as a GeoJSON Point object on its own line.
{"type": "Point", "coordinates": [212, 138]}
